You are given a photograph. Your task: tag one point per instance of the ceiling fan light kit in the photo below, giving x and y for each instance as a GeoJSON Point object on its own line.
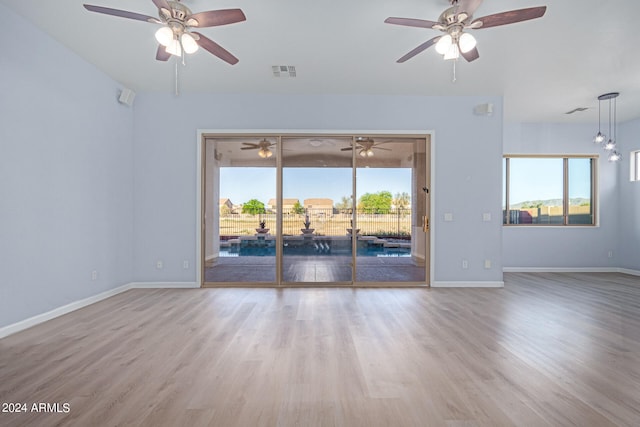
{"type": "Point", "coordinates": [175, 36]}
{"type": "Point", "coordinates": [454, 21]}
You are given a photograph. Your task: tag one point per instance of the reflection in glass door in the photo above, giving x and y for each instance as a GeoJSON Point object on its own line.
{"type": "Point", "coordinates": [317, 178]}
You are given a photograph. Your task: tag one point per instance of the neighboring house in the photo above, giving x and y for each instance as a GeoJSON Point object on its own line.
{"type": "Point", "coordinates": [287, 205]}
{"type": "Point", "coordinates": [316, 206]}
{"type": "Point", "coordinates": [227, 203]}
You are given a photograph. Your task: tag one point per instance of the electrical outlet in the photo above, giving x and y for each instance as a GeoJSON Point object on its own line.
{"type": "Point", "coordinates": [94, 275]}
{"type": "Point", "coordinates": [465, 264]}
{"type": "Point", "coordinates": [487, 263]}
{"type": "Point", "coordinates": [610, 254]}
{"type": "Point", "coordinates": [159, 265]}
{"type": "Point", "coordinates": [185, 264]}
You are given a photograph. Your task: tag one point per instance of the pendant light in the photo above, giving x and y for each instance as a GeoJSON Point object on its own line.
{"type": "Point", "coordinates": [610, 144]}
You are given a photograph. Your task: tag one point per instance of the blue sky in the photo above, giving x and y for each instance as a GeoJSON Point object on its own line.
{"type": "Point", "coordinates": [243, 184]}
{"type": "Point", "coordinates": [541, 179]}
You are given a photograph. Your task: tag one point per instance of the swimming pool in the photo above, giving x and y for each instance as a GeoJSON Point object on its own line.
{"type": "Point", "coordinates": [324, 246]}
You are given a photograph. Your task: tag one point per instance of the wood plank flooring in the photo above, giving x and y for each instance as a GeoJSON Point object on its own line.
{"type": "Point", "coordinates": [546, 350]}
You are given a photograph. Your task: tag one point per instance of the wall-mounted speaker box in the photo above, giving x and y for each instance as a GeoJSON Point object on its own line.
{"type": "Point", "coordinates": [126, 97]}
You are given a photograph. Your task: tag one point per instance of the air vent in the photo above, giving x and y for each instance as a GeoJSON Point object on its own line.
{"type": "Point", "coordinates": [575, 110]}
{"type": "Point", "coordinates": [283, 70]}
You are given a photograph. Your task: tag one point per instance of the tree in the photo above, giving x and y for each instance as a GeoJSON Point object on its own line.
{"type": "Point", "coordinates": [401, 200]}
{"type": "Point", "coordinates": [344, 205]}
{"type": "Point", "coordinates": [253, 206]}
{"type": "Point", "coordinates": [297, 208]}
{"type": "Point", "coordinates": [377, 203]}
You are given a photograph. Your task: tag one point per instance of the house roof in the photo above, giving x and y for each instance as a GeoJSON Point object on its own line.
{"type": "Point", "coordinates": [315, 202]}
{"type": "Point", "coordinates": [285, 202]}
{"type": "Point", "coordinates": [543, 67]}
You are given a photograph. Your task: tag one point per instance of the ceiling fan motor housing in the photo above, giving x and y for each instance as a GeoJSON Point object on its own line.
{"type": "Point", "coordinates": [178, 10]}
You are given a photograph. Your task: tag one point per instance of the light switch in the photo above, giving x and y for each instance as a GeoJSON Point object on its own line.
{"type": "Point", "coordinates": [486, 217]}
{"type": "Point", "coordinates": [448, 216]}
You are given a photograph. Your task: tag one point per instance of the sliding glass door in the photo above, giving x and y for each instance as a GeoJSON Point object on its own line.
{"type": "Point", "coordinates": [391, 210]}
{"type": "Point", "coordinates": [315, 209]}
{"type": "Point", "coordinates": [240, 224]}
{"type": "Point", "coordinates": [316, 243]}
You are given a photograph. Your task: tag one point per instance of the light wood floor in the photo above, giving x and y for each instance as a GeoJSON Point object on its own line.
{"type": "Point", "coordinates": [547, 350]}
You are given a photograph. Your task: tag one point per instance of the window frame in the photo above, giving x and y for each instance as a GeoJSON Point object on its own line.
{"type": "Point", "coordinates": [565, 188]}
{"type": "Point", "coordinates": [634, 166]}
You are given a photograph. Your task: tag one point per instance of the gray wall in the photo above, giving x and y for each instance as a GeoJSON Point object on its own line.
{"type": "Point", "coordinates": [66, 204]}
{"type": "Point", "coordinates": [629, 205]}
{"type": "Point", "coordinates": [565, 247]}
{"type": "Point", "coordinates": [468, 168]}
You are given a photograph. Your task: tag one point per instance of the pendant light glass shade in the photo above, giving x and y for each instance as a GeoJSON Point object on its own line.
{"type": "Point", "coordinates": [599, 138]}
{"type": "Point", "coordinates": [614, 156]}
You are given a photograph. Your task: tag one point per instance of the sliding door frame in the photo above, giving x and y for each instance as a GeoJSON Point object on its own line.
{"type": "Point", "coordinates": [279, 134]}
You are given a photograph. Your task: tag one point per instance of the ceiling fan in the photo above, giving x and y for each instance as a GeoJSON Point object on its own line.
{"type": "Point", "coordinates": [365, 146]}
{"type": "Point", "coordinates": [263, 146]}
{"type": "Point", "coordinates": [455, 20]}
{"type": "Point", "coordinates": [176, 36]}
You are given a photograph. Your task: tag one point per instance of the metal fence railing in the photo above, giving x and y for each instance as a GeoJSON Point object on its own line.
{"type": "Point", "coordinates": [323, 223]}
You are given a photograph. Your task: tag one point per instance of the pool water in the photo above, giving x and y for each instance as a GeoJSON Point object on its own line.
{"type": "Point", "coordinates": [318, 246]}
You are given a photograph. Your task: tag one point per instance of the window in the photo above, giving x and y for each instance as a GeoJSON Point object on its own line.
{"type": "Point", "coordinates": [549, 190]}
{"type": "Point", "coordinates": [634, 166]}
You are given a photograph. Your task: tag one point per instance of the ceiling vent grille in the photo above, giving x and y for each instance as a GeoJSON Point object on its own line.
{"type": "Point", "coordinates": [283, 70]}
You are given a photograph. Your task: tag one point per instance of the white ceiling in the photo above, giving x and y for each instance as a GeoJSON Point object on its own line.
{"type": "Point", "coordinates": [543, 68]}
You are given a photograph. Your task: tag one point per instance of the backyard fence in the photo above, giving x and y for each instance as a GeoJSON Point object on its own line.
{"type": "Point", "coordinates": [324, 223]}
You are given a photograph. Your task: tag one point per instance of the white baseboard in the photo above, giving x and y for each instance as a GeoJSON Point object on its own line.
{"type": "Point", "coordinates": [570, 270]}
{"type": "Point", "coordinates": [629, 271]}
{"type": "Point", "coordinates": [60, 311]}
{"type": "Point", "coordinates": [467, 284]}
{"type": "Point", "coordinates": [57, 312]}
{"type": "Point", "coordinates": [163, 285]}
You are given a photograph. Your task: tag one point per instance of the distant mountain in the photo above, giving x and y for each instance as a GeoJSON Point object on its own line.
{"type": "Point", "coordinates": [576, 201]}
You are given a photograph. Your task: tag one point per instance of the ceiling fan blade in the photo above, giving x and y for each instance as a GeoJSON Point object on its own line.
{"type": "Point", "coordinates": [215, 49]}
{"type": "Point", "coordinates": [121, 13]}
{"type": "Point", "coordinates": [346, 149]}
{"type": "Point", "coordinates": [410, 22]}
{"type": "Point", "coordinates": [472, 55]}
{"type": "Point", "coordinates": [511, 17]}
{"type": "Point", "coordinates": [214, 18]}
{"type": "Point", "coordinates": [468, 6]}
{"type": "Point", "coordinates": [251, 144]}
{"type": "Point", "coordinates": [162, 4]}
{"type": "Point", "coordinates": [381, 148]}
{"type": "Point", "coordinates": [162, 54]}
{"type": "Point", "coordinates": [419, 49]}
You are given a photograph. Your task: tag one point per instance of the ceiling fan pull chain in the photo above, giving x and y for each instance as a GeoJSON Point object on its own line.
{"type": "Point", "coordinates": [453, 80]}
{"type": "Point", "coordinates": [176, 77]}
